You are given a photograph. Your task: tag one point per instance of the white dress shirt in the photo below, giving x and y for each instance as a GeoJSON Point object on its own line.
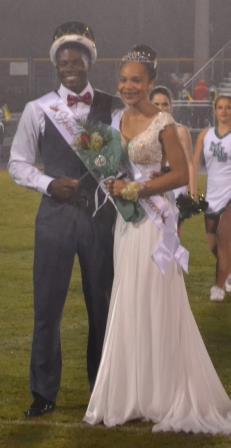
{"type": "Point", "coordinates": [25, 148]}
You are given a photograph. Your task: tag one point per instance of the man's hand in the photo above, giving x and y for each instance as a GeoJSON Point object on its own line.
{"type": "Point", "coordinates": [63, 189]}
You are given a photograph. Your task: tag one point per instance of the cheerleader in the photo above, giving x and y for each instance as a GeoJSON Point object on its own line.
{"type": "Point", "coordinates": [214, 143]}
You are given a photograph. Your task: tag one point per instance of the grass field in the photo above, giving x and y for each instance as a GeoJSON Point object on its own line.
{"type": "Point", "coordinates": [64, 428]}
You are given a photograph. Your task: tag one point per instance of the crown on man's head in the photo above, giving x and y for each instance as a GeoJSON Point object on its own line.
{"type": "Point", "coordinates": [75, 32]}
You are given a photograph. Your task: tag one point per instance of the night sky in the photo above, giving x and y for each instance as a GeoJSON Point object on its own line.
{"type": "Point", "coordinates": [26, 26]}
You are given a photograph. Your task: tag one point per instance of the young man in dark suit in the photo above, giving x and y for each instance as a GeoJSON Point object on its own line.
{"type": "Point", "coordinates": [64, 224]}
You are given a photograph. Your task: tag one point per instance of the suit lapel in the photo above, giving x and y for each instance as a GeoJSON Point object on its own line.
{"type": "Point", "coordinates": [101, 107]}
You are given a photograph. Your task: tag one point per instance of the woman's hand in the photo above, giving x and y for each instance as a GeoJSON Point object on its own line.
{"type": "Point", "coordinates": [129, 191]}
{"type": "Point", "coordinates": [115, 187]}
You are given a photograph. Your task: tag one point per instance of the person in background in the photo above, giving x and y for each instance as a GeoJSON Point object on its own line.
{"type": "Point", "coordinates": [185, 95]}
{"type": "Point", "coordinates": [177, 82]}
{"type": "Point", "coordinates": [64, 224]}
{"type": "Point", "coordinates": [201, 91]}
{"type": "Point", "coordinates": [161, 97]}
{"type": "Point", "coordinates": [214, 143]}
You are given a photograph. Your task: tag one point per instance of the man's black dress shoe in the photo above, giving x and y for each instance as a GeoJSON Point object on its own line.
{"type": "Point", "coordinates": [40, 406]}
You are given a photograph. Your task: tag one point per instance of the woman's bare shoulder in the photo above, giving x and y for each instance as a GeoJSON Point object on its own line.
{"type": "Point", "coordinates": [182, 130]}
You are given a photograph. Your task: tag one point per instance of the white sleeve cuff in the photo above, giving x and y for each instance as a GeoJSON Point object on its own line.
{"type": "Point", "coordinates": [43, 182]}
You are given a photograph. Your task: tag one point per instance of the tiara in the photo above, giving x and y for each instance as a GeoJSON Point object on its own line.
{"type": "Point", "coordinates": [139, 56]}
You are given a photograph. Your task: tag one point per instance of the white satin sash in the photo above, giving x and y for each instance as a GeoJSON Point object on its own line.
{"type": "Point", "coordinates": [163, 213]}
{"type": "Point", "coordinates": [61, 116]}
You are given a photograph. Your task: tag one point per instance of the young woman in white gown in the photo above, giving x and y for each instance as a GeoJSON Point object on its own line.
{"type": "Point", "coordinates": [154, 363]}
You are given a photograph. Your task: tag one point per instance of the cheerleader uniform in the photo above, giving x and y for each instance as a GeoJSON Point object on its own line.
{"type": "Point", "coordinates": [217, 154]}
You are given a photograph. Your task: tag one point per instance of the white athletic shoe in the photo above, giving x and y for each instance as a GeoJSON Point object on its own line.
{"type": "Point", "coordinates": [228, 283]}
{"type": "Point", "coordinates": [217, 294]}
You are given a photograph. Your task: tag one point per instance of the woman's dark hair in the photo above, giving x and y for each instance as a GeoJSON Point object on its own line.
{"type": "Point", "coordinates": [146, 56]}
{"type": "Point", "coordinates": [162, 90]}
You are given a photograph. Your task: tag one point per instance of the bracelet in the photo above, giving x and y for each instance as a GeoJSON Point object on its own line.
{"type": "Point", "coordinates": [131, 191]}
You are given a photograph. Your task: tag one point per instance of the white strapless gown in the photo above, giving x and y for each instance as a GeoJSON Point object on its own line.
{"type": "Point", "coordinates": [154, 364]}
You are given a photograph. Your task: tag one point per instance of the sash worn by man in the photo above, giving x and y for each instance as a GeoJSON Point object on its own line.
{"type": "Point", "coordinates": [64, 224]}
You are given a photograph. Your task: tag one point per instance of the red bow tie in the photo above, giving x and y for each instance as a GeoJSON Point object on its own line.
{"type": "Point", "coordinates": [73, 99]}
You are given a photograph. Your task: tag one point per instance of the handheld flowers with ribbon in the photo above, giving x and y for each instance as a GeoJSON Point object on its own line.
{"type": "Point", "coordinates": [100, 149]}
{"type": "Point", "coordinates": [189, 207]}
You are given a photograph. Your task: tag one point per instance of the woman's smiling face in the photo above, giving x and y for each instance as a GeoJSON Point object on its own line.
{"type": "Point", "coordinates": [134, 83]}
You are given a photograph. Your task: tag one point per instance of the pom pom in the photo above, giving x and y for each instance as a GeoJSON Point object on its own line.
{"type": "Point", "coordinates": [188, 206]}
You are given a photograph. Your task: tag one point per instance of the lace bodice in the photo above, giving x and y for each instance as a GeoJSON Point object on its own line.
{"type": "Point", "coordinates": [145, 148]}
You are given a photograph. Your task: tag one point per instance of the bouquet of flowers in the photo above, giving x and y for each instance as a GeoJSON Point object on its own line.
{"type": "Point", "coordinates": [188, 206]}
{"type": "Point", "coordinates": [99, 147]}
